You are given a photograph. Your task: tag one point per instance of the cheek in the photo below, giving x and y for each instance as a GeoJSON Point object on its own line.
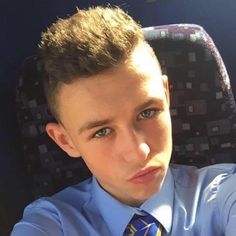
{"type": "Point", "coordinates": [159, 133]}
{"type": "Point", "coordinates": [96, 156]}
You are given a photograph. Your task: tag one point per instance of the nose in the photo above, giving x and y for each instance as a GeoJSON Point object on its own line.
{"type": "Point", "coordinates": [133, 146]}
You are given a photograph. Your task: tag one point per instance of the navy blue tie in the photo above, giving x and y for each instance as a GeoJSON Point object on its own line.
{"type": "Point", "coordinates": [141, 225]}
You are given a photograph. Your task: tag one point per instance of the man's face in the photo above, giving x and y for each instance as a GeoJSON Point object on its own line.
{"type": "Point", "coordinates": [119, 122]}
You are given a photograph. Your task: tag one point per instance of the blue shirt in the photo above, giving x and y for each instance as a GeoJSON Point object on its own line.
{"type": "Point", "coordinates": [192, 202]}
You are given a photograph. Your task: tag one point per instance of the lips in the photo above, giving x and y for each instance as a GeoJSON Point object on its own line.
{"type": "Point", "coordinates": [145, 176]}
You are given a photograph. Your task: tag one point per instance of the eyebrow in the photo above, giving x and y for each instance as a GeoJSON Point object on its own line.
{"type": "Point", "coordinates": [93, 124]}
{"type": "Point", "coordinates": [96, 123]}
{"type": "Point", "coordinates": [149, 102]}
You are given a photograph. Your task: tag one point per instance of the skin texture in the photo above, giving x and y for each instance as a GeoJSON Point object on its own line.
{"type": "Point", "coordinates": [119, 122]}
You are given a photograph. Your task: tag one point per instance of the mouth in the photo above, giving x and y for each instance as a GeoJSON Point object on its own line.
{"type": "Point", "coordinates": [145, 176]}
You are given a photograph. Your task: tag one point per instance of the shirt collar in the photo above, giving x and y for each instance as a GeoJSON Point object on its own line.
{"type": "Point", "coordinates": [112, 210]}
{"type": "Point", "coordinates": [159, 206]}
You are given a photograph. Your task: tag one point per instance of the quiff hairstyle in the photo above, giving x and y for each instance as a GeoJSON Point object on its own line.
{"type": "Point", "coordinates": [85, 44]}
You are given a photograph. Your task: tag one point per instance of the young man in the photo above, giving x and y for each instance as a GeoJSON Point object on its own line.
{"type": "Point", "coordinates": [104, 85]}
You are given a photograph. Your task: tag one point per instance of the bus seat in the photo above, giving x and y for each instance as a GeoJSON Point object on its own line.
{"type": "Point", "coordinates": [202, 109]}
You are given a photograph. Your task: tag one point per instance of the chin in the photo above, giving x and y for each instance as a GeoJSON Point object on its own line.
{"type": "Point", "coordinates": [142, 196]}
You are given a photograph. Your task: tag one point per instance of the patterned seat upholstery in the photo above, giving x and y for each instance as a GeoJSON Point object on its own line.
{"type": "Point", "coordinates": [202, 109]}
{"type": "Point", "coordinates": [202, 104]}
{"type": "Point", "coordinates": [48, 167]}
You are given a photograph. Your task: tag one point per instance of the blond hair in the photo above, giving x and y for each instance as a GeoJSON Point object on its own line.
{"type": "Point", "coordinates": [85, 44]}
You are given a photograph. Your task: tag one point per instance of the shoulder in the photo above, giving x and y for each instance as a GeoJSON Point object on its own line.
{"type": "Point", "coordinates": [75, 195]}
{"type": "Point", "coordinates": [53, 215]}
{"type": "Point", "coordinates": [80, 191]}
{"type": "Point", "coordinates": [213, 174]}
{"type": "Point", "coordinates": [213, 182]}
{"type": "Point", "coordinates": [212, 190]}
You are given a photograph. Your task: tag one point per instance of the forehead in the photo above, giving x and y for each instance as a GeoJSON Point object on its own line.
{"type": "Point", "coordinates": [137, 77]}
{"type": "Point", "coordinates": [144, 60]}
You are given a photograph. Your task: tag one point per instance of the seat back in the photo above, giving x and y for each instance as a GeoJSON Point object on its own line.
{"type": "Point", "coordinates": [202, 109]}
{"type": "Point", "coordinates": [49, 168]}
{"type": "Point", "coordinates": [202, 104]}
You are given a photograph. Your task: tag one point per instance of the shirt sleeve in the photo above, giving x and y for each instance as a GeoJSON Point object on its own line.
{"type": "Point", "coordinates": [230, 215]}
{"type": "Point", "coordinates": [231, 225]}
{"type": "Point", "coordinates": [227, 203]}
{"type": "Point", "coordinates": [38, 221]}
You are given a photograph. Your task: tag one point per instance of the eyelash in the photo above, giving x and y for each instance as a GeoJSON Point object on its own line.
{"type": "Point", "coordinates": [96, 135]}
{"type": "Point", "coordinates": [154, 110]}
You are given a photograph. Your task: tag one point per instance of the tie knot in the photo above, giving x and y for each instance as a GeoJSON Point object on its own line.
{"type": "Point", "coordinates": [143, 225]}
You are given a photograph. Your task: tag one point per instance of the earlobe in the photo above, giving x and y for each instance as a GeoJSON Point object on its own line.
{"type": "Point", "coordinates": [166, 87]}
{"type": "Point", "coordinates": [58, 134]}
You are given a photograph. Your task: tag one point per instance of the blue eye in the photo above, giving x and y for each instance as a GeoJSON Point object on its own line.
{"type": "Point", "coordinates": [148, 113]}
{"type": "Point", "coordinates": [102, 133]}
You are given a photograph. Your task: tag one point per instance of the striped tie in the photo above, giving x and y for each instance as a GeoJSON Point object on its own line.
{"type": "Point", "coordinates": [143, 225]}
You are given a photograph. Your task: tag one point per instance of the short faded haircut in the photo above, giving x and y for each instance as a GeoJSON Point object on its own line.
{"type": "Point", "coordinates": [86, 44]}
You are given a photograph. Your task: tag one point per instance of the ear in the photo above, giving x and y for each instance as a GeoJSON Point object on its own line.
{"type": "Point", "coordinates": [166, 87]}
{"type": "Point", "coordinates": [59, 135]}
